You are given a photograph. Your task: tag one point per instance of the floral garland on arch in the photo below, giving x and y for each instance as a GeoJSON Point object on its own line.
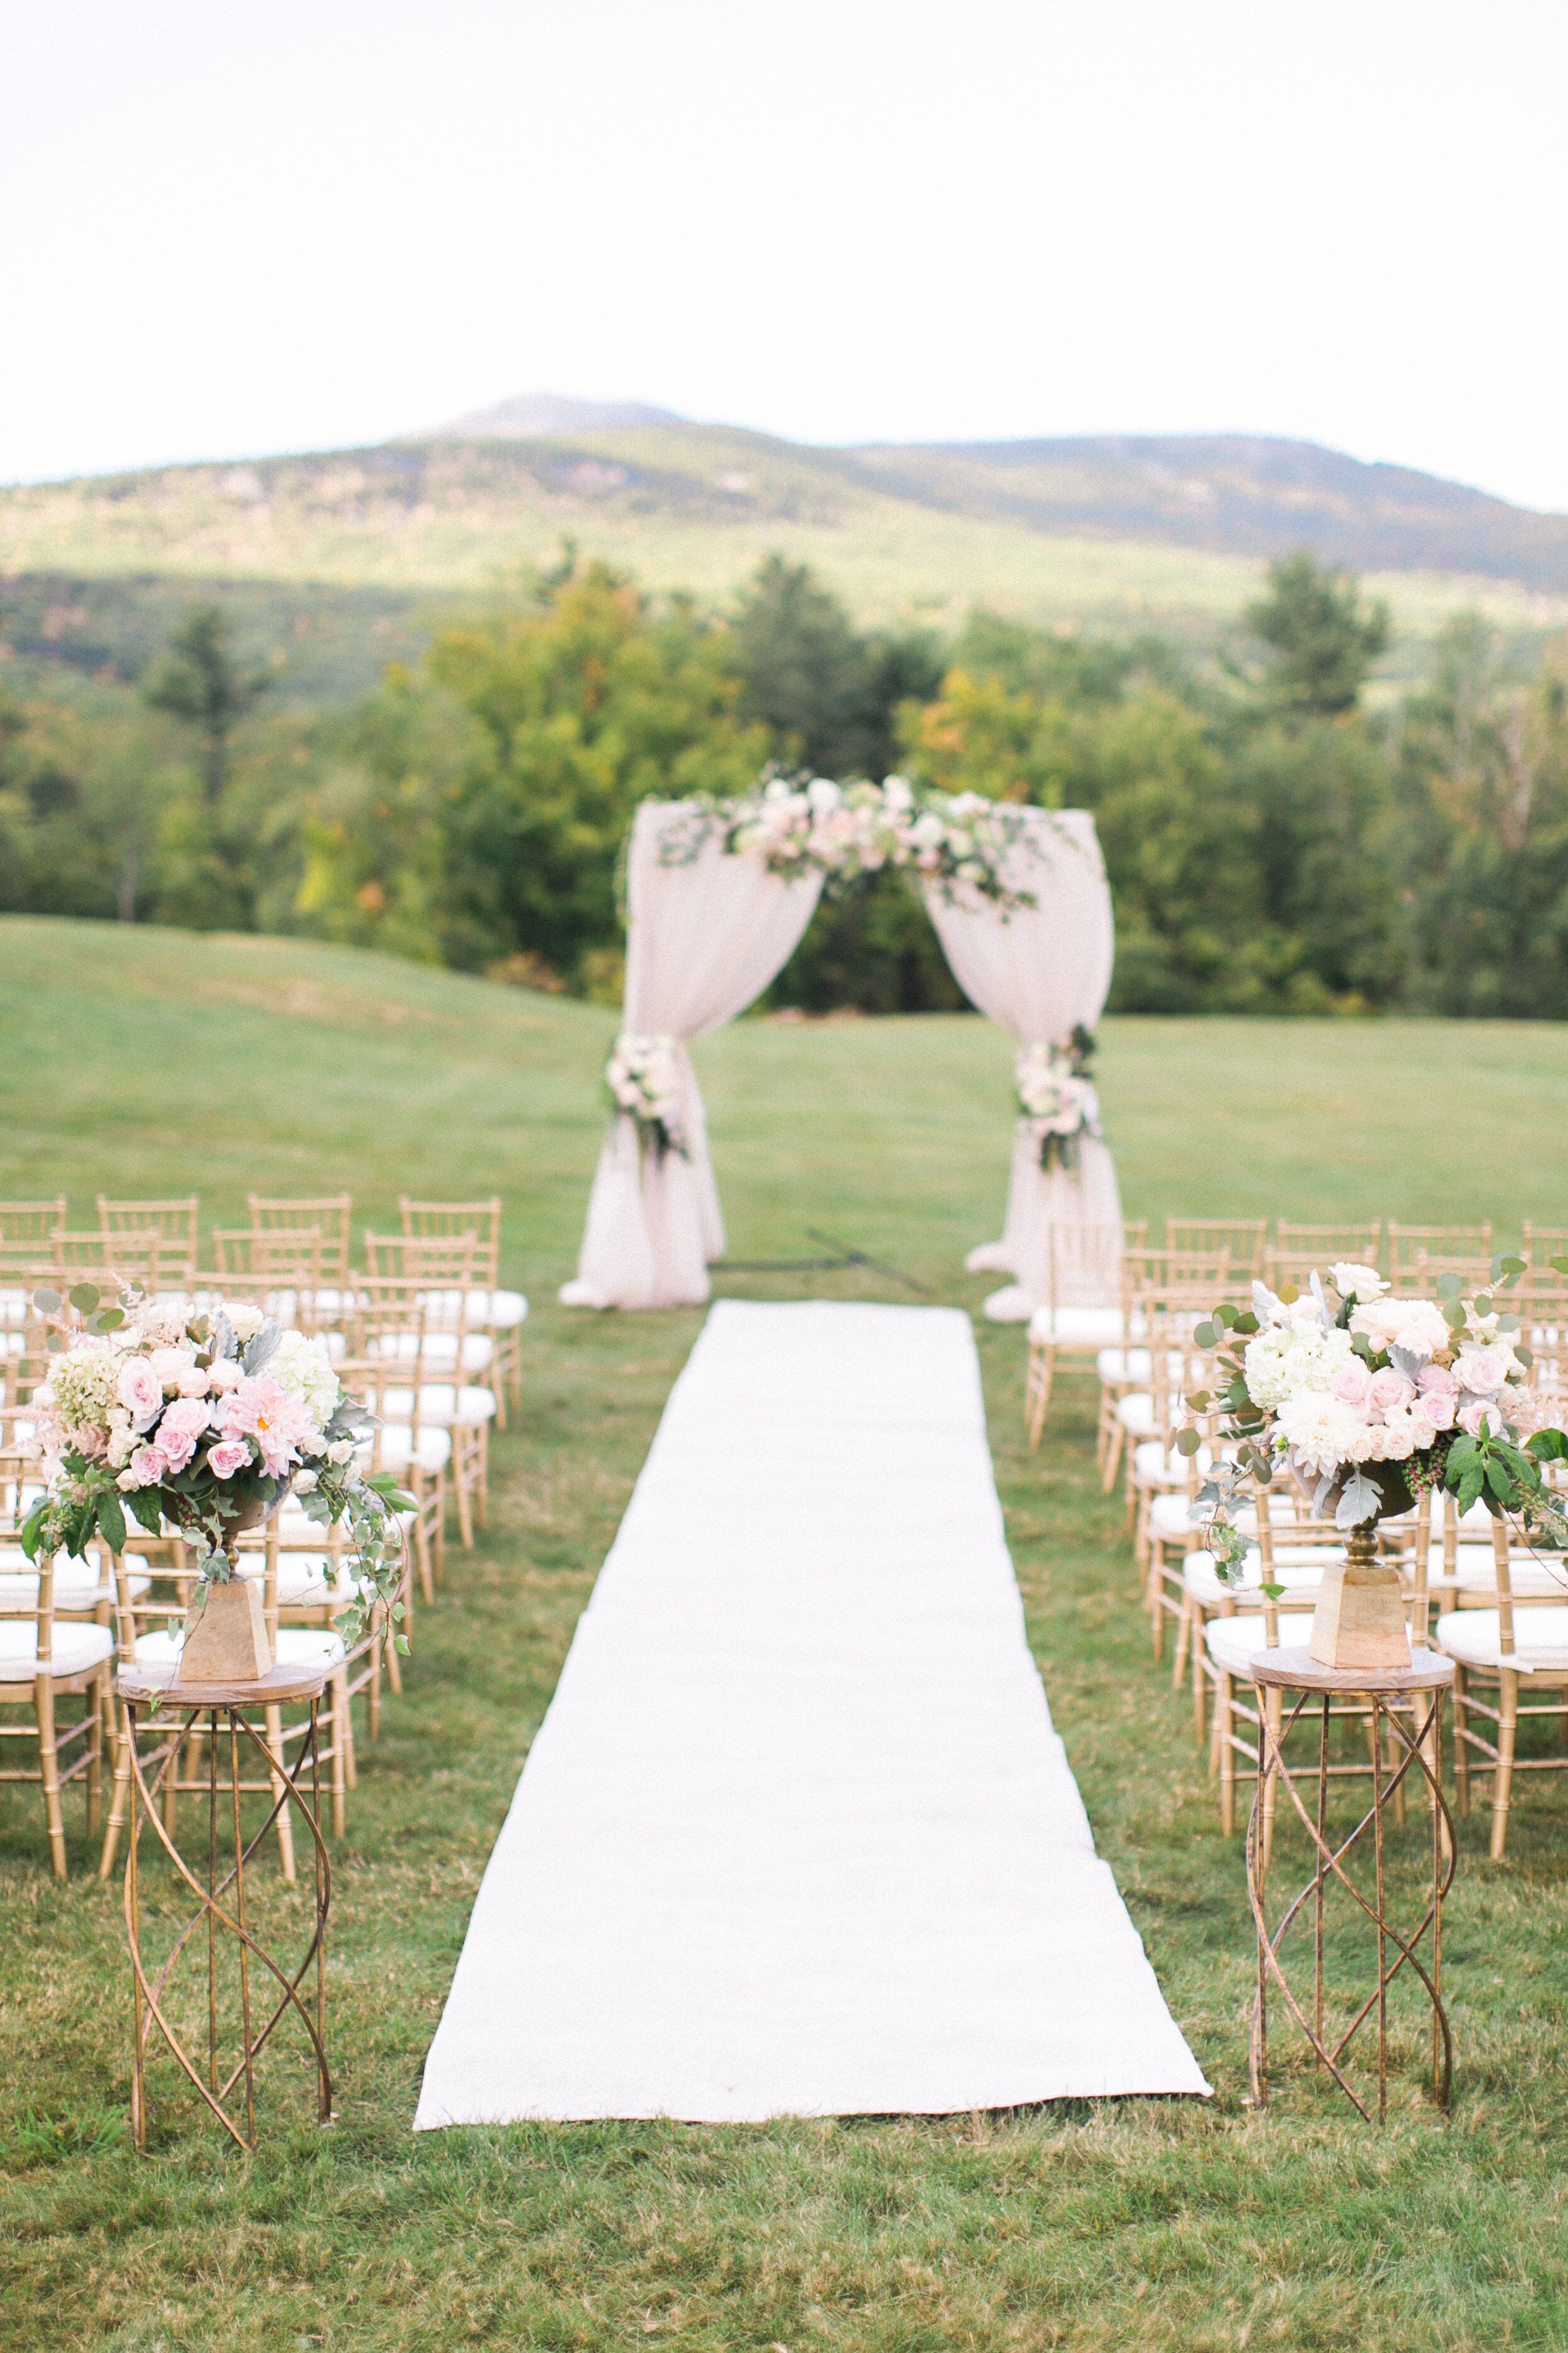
{"type": "Point", "coordinates": [643, 1080]}
{"type": "Point", "coordinates": [801, 827]}
{"type": "Point", "coordinates": [1370, 1401]}
{"type": "Point", "coordinates": [1056, 1099]}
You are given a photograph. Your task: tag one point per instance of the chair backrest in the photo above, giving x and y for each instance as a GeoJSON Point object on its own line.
{"type": "Point", "coordinates": [437, 1221]}
{"type": "Point", "coordinates": [1178, 1278]}
{"type": "Point", "coordinates": [1539, 1245]}
{"type": "Point", "coordinates": [174, 1223]}
{"type": "Point", "coordinates": [1083, 1265]}
{"type": "Point", "coordinates": [1407, 1245]}
{"type": "Point", "coordinates": [270, 1254]}
{"type": "Point", "coordinates": [1474, 1273]}
{"type": "Point", "coordinates": [1245, 1239]}
{"type": "Point", "coordinates": [390, 1386]}
{"type": "Point", "coordinates": [441, 1262]}
{"type": "Point", "coordinates": [137, 1260]}
{"type": "Point", "coordinates": [1505, 1548]}
{"type": "Point", "coordinates": [28, 1231]}
{"type": "Point", "coordinates": [326, 1214]}
{"type": "Point", "coordinates": [29, 1595]}
{"type": "Point", "coordinates": [1321, 1247]}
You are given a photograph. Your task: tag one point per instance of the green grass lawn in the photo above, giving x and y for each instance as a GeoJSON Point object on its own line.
{"type": "Point", "coordinates": [141, 1061]}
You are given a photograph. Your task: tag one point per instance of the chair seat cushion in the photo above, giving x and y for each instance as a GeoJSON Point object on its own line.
{"type": "Point", "coordinates": [295, 1646]}
{"type": "Point", "coordinates": [1154, 1465]}
{"type": "Point", "coordinates": [1202, 1580]}
{"type": "Point", "coordinates": [1234, 1642]}
{"type": "Point", "coordinates": [311, 1580]}
{"type": "Point", "coordinates": [441, 1404]}
{"type": "Point", "coordinates": [78, 1583]}
{"type": "Point", "coordinates": [1472, 1636]}
{"type": "Point", "coordinates": [74, 1650]}
{"type": "Point", "coordinates": [1474, 1571]}
{"type": "Point", "coordinates": [438, 1348]}
{"type": "Point", "coordinates": [1077, 1327]}
{"type": "Point", "coordinates": [1135, 1411]}
{"type": "Point", "coordinates": [399, 1452]}
{"type": "Point", "coordinates": [502, 1310]}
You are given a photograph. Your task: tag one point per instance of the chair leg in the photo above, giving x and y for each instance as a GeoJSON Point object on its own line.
{"type": "Point", "coordinates": [1042, 1371]}
{"type": "Point", "coordinates": [350, 1762]}
{"type": "Point", "coordinates": [119, 1805]}
{"type": "Point", "coordinates": [98, 1699]}
{"type": "Point", "coordinates": [285, 1825]}
{"type": "Point", "coordinates": [482, 1466]}
{"type": "Point", "coordinates": [1200, 1708]}
{"type": "Point", "coordinates": [461, 1482]}
{"type": "Point", "coordinates": [1462, 1745]}
{"type": "Point", "coordinates": [1184, 1641]}
{"type": "Point", "coordinates": [1502, 1778]}
{"type": "Point", "coordinates": [340, 1755]}
{"type": "Point", "coordinates": [1224, 1736]}
{"type": "Point", "coordinates": [49, 1771]}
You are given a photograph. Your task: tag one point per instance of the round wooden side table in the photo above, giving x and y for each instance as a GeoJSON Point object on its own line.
{"type": "Point", "coordinates": [1404, 1707]}
{"type": "Point", "coordinates": [241, 1975]}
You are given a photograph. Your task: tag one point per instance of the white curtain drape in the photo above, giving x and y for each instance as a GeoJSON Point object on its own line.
{"type": "Point", "coordinates": [703, 939]}
{"type": "Point", "coordinates": [1039, 974]}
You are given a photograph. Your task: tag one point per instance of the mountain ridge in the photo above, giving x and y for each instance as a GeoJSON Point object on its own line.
{"type": "Point", "coordinates": [1089, 530]}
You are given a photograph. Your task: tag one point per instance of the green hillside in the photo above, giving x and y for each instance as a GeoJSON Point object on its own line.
{"type": "Point", "coordinates": [696, 506]}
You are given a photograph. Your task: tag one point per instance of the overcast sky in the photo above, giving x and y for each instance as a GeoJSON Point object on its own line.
{"type": "Point", "coordinates": [300, 223]}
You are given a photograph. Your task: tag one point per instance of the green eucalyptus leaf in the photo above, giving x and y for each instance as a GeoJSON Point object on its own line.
{"type": "Point", "coordinates": [84, 1297]}
{"type": "Point", "coordinates": [1187, 1442]}
{"type": "Point", "coordinates": [48, 1302]}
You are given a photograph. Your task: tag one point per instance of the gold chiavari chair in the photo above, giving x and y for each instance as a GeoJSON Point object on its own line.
{"type": "Point", "coordinates": [1081, 1312]}
{"type": "Point", "coordinates": [1298, 1251]}
{"type": "Point", "coordinates": [28, 1231]}
{"type": "Point", "coordinates": [1473, 1275]}
{"type": "Point", "coordinates": [498, 1312]}
{"type": "Point", "coordinates": [1244, 1240]}
{"type": "Point", "coordinates": [327, 1215]}
{"type": "Point", "coordinates": [1124, 1366]}
{"type": "Point", "coordinates": [458, 1393]}
{"type": "Point", "coordinates": [1162, 1285]}
{"type": "Point", "coordinates": [175, 1224]}
{"type": "Point", "coordinates": [82, 1257]}
{"type": "Point", "coordinates": [1540, 1245]}
{"type": "Point", "coordinates": [1416, 1253]}
{"type": "Point", "coordinates": [391, 1372]}
{"type": "Point", "coordinates": [1503, 1644]}
{"type": "Point", "coordinates": [44, 1658]}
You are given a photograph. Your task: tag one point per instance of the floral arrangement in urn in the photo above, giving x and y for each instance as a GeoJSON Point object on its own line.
{"type": "Point", "coordinates": [813, 826]}
{"type": "Point", "coordinates": [1368, 1401]}
{"type": "Point", "coordinates": [1056, 1097]}
{"type": "Point", "coordinates": [643, 1076]}
{"type": "Point", "coordinates": [203, 1421]}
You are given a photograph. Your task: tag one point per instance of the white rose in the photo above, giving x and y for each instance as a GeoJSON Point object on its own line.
{"type": "Point", "coordinates": [341, 1450]}
{"type": "Point", "coordinates": [246, 1321]}
{"type": "Point", "coordinates": [1353, 1281]}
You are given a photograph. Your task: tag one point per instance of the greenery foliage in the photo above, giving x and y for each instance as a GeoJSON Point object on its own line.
{"type": "Point", "coordinates": [1274, 844]}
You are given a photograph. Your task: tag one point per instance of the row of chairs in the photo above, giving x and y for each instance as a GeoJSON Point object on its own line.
{"type": "Point", "coordinates": [431, 1348]}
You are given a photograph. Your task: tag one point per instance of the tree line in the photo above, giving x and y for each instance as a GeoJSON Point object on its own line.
{"type": "Point", "coordinates": [1274, 843]}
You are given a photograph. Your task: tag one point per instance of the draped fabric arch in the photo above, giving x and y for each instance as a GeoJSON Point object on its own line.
{"type": "Point", "coordinates": [705, 935]}
{"type": "Point", "coordinates": [1039, 974]}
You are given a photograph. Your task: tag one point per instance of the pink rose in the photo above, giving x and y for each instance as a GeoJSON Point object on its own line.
{"type": "Point", "coordinates": [185, 1413]}
{"type": "Point", "coordinates": [194, 1383]}
{"type": "Point", "coordinates": [1440, 1406]}
{"type": "Point", "coordinates": [176, 1446]}
{"type": "Point", "coordinates": [140, 1392]}
{"type": "Point", "coordinates": [1389, 1388]}
{"type": "Point", "coordinates": [147, 1466]}
{"type": "Point", "coordinates": [229, 1455]}
{"type": "Point", "coordinates": [1432, 1377]}
{"type": "Point", "coordinates": [1484, 1369]}
{"type": "Point", "coordinates": [1479, 1420]}
{"type": "Point", "coordinates": [225, 1375]}
{"type": "Point", "coordinates": [1352, 1385]}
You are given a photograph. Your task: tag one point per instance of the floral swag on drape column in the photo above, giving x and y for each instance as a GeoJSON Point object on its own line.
{"type": "Point", "coordinates": [718, 895]}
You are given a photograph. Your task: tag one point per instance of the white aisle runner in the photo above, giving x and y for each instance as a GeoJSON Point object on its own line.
{"type": "Point", "coordinates": [796, 1836]}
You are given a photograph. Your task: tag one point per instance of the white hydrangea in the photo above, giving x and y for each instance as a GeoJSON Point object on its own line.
{"type": "Point", "coordinates": [1322, 1431]}
{"type": "Point", "coordinates": [304, 1368]}
{"type": "Point", "coordinates": [1286, 1358]}
{"type": "Point", "coordinates": [82, 1387]}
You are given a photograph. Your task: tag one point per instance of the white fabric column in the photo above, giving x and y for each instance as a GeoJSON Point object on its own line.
{"type": "Point", "coordinates": [703, 939]}
{"type": "Point", "coordinates": [1039, 972]}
